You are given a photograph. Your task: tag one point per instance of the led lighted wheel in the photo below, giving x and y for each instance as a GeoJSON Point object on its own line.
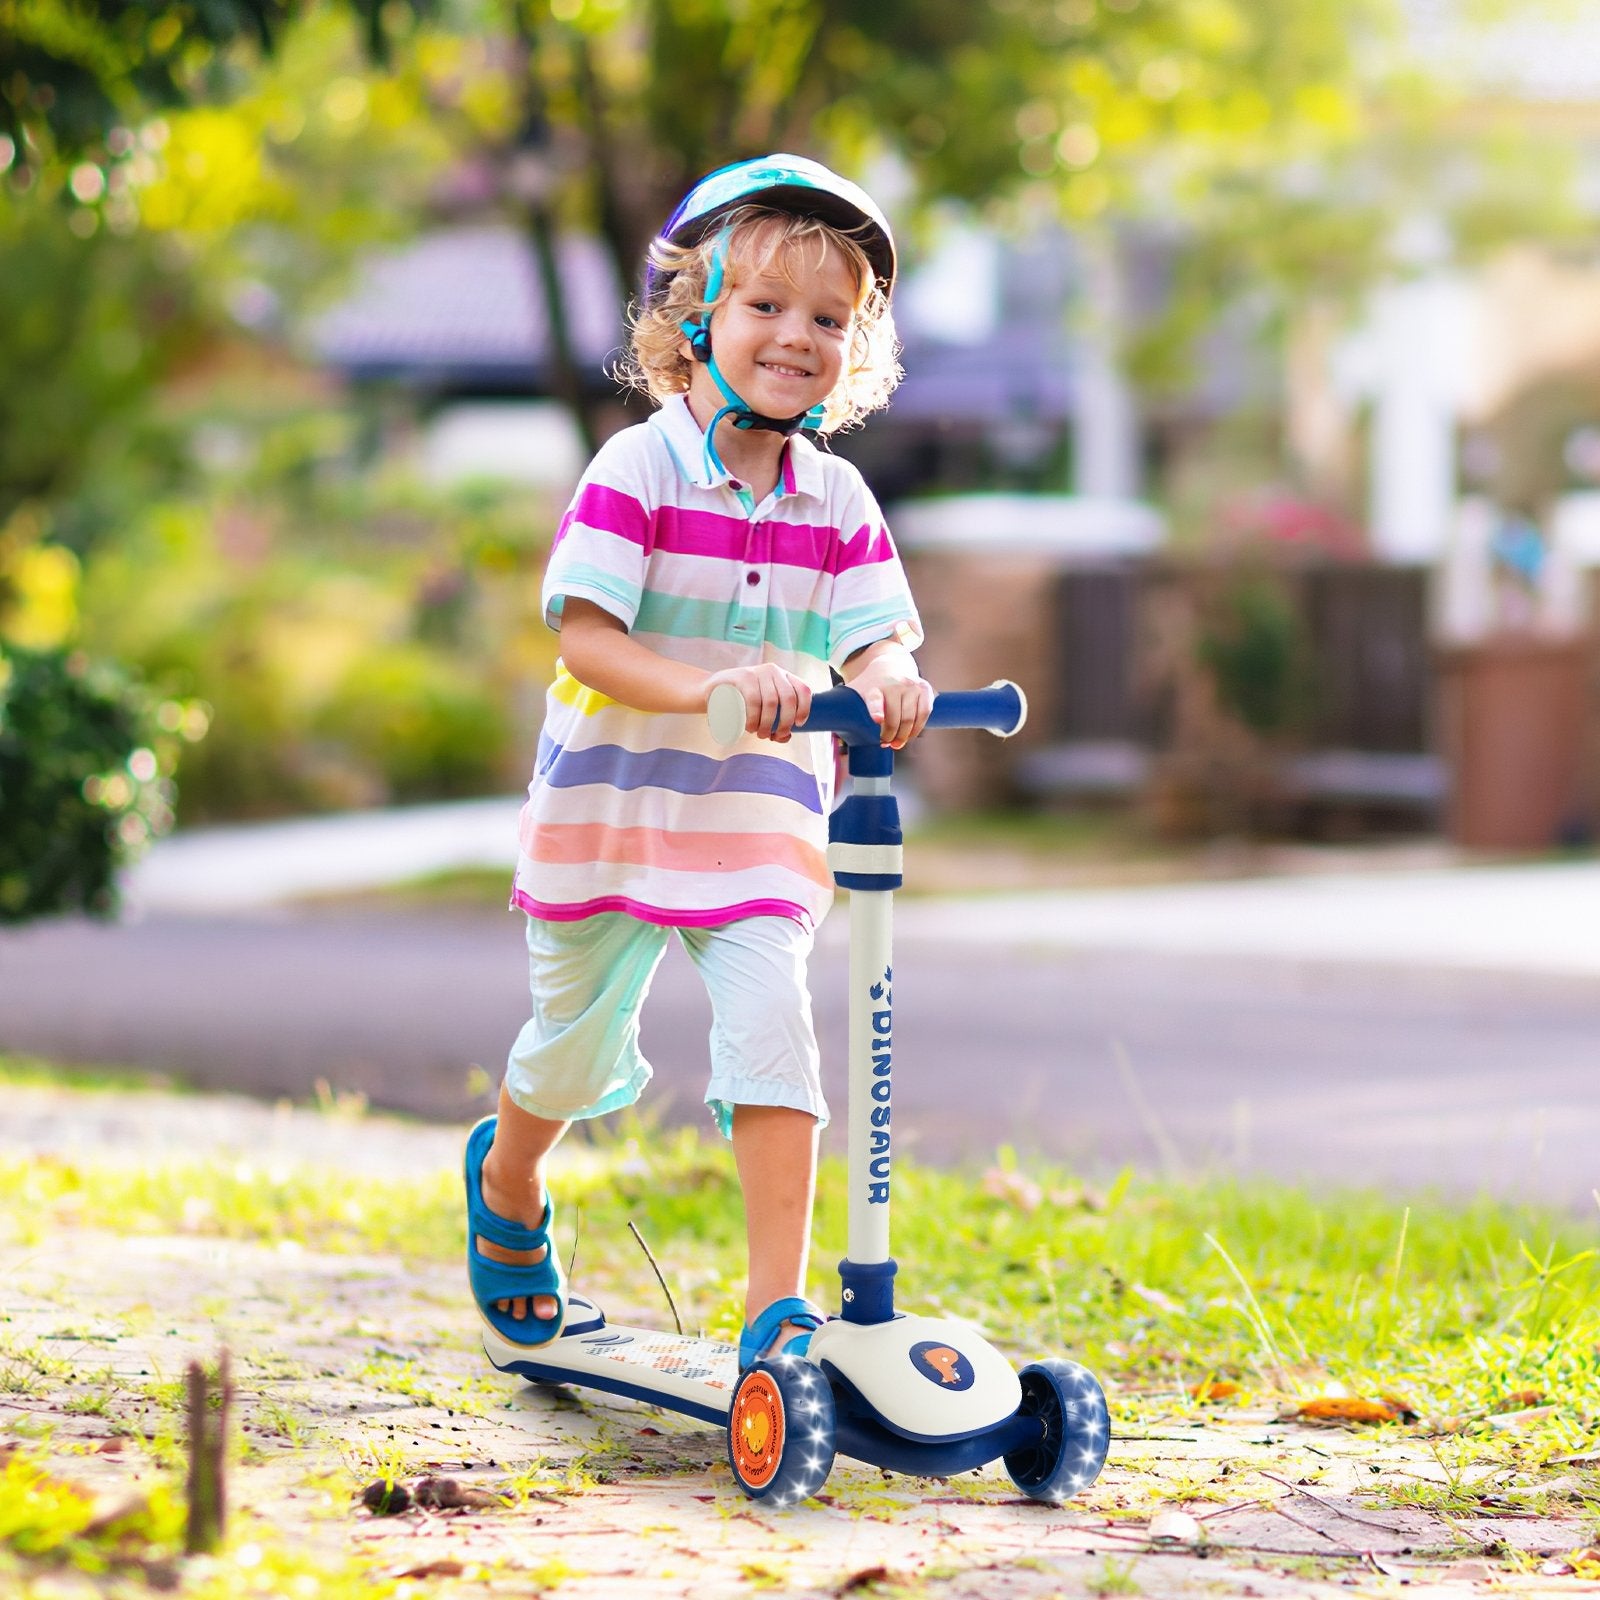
{"type": "Point", "coordinates": [1075, 1431]}
{"type": "Point", "coordinates": [781, 1430]}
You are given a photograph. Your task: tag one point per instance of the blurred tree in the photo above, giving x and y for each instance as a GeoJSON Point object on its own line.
{"type": "Point", "coordinates": [86, 326]}
{"type": "Point", "coordinates": [609, 109]}
{"type": "Point", "coordinates": [76, 75]}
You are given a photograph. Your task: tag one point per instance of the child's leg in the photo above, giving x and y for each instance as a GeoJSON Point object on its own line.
{"type": "Point", "coordinates": [775, 1148]}
{"type": "Point", "coordinates": [577, 1056]}
{"type": "Point", "coordinates": [766, 1090]}
{"type": "Point", "coordinates": [513, 1187]}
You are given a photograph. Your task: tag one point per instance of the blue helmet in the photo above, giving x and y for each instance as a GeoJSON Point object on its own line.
{"type": "Point", "coordinates": [794, 184]}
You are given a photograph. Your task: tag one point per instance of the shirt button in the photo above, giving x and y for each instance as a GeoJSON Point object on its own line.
{"type": "Point", "coordinates": [752, 578]}
{"type": "Point", "coordinates": [733, 483]}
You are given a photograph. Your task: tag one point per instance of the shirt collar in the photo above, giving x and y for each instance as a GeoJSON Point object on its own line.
{"type": "Point", "coordinates": [686, 442]}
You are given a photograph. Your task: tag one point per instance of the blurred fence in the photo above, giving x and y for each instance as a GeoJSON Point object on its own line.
{"type": "Point", "coordinates": [1367, 658]}
{"type": "Point", "coordinates": [1112, 657]}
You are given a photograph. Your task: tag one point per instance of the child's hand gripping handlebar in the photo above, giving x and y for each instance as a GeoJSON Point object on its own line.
{"type": "Point", "coordinates": [1001, 708]}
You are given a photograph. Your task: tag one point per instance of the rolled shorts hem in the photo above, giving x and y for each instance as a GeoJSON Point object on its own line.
{"type": "Point", "coordinates": [723, 1096]}
{"type": "Point", "coordinates": [627, 1095]}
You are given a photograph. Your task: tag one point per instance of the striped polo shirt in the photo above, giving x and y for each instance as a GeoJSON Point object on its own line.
{"type": "Point", "coordinates": [642, 812]}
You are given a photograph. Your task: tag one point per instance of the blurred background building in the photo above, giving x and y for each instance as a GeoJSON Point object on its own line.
{"type": "Point", "coordinates": [1253, 379]}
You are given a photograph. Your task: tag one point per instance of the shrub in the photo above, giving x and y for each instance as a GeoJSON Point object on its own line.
{"type": "Point", "coordinates": [86, 765]}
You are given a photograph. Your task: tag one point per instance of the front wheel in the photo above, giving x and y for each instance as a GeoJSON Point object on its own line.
{"type": "Point", "coordinates": [781, 1430]}
{"type": "Point", "coordinates": [1069, 1402]}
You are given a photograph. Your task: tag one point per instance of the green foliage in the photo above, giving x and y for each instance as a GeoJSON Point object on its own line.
{"type": "Point", "coordinates": [49, 1519]}
{"type": "Point", "coordinates": [73, 75]}
{"type": "Point", "coordinates": [354, 641]}
{"type": "Point", "coordinates": [86, 327]}
{"type": "Point", "coordinates": [1252, 643]}
{"type": "Point", "coordinates": [85, 780]}
{"type": "Point", "coordinates": [418, 718]}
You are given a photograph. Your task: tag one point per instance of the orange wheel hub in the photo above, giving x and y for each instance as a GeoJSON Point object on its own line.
{"type": "Point", "coordinates": [755, 1430]}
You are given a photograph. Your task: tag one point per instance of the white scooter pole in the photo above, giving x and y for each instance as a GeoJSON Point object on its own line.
{"type": "Point", "coordinates": [865, 856]}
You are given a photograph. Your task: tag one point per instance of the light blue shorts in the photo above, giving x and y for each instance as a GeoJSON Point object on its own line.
{"type": "Point", "coordinates": [578, 1055]}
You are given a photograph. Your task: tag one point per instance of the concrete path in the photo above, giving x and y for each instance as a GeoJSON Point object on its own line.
{"type": "Point", "coordinates": [348, 1367]}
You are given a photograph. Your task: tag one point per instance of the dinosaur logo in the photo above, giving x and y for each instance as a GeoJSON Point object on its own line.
{"type": "Point", "coordinates": [942, 1364]}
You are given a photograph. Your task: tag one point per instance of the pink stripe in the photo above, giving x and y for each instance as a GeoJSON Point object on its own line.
{"type": "Point", "coordinates": [611, 510]}
{"type": "Point", "coordinates": [866, 548]}
{"type": "Point", "coordinates": [582, 843]}
{"type": "Point", "coordinates": [813, 546]}
{"type": "Point", "coordinates": [711, 533]}
{"type": "Point", "coordinates": [660, 915]}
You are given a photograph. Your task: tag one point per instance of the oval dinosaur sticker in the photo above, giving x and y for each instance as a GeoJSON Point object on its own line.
{"type": "Point", "coordinates": [942, 1364]}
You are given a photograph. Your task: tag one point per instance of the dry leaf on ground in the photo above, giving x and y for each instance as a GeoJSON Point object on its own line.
{"type": "Point", "coordinates": [1350, 1408]}
{"type": "Point", "coordinates": [1218, 1389]}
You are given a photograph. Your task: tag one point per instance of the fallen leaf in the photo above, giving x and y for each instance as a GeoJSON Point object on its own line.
{"type": "Point", "coordinates": [1220, 1389]}
{"type": "Point", "coordinates": [444, 1567]}
{"type": "Point", "coordinates": [446, 1494]}
{"type": "Point", "coordinates": [110, 1447]}
{"type": "Point", "coordinates": [1520, 1400]}
{"type": "Point", "coordinates": [1342, 1408]}
{"type": "Point", "coordinates": [863, 1579]}
{"type": "Point", "coordinates": [1174, 1526]}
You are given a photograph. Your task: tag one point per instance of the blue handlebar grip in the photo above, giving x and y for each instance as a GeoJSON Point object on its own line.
{"type": "Point", "coordinates": [1002, 708]}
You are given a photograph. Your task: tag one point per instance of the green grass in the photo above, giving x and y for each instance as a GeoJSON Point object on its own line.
{"type": "Point", "coordinates": [1155, 1284]}
{"type": "Point", "coordinates": [29, 1072]}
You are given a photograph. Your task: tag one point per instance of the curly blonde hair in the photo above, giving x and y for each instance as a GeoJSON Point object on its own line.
{"type": "Point", "coordinates": [757, 240]}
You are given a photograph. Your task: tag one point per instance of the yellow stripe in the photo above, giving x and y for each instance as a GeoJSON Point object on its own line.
{"type": "Point", "coordinates": [584, 700]}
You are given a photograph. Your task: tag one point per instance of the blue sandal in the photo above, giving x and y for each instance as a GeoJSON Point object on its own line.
{"type": "Point", "coordinates": [495, 1280]}
{"type": "Point", "coordinates": [755, 1339]}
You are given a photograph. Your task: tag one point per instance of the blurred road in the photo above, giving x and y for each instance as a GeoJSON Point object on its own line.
{"type": "Point", "coordinates": [1009, 1028]}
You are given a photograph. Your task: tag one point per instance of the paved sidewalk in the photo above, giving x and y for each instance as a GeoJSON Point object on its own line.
{"type": "Point", "coordinates": [1542, 917]}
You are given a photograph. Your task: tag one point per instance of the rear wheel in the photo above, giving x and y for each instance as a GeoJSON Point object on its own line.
{"type": "Point", "coordinates": [781, 1430]}
{"type": "Point", "coordinates": [1070, 1404]}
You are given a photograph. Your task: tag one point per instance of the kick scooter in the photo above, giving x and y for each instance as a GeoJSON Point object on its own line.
{"type": "Point", "coordinates": [920, 1395]}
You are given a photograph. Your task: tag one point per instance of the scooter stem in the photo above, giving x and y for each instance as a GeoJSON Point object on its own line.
{"type": "Point", "coordinates": [865, 855]}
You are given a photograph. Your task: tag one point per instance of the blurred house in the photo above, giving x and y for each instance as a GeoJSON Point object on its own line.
{"type": "Point", "coordinates": [1004, 388]}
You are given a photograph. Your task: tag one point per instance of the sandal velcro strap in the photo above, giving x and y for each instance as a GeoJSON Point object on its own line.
{"type": "Point", "coordinates": [511, 1235]}
{"type": "Point", "coordinates": [756, 1338]}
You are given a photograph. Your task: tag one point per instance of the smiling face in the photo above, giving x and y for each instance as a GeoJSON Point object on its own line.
{"type": "Point", "coordinates": [782, 332]}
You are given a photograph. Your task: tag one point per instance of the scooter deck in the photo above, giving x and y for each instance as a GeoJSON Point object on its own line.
{"type": "Point", "coordinates": [693, 1376]}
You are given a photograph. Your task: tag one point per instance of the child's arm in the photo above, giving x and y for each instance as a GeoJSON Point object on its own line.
{"type": "Point", "coordinates": [601, 654]}
{"type": "Point", "coordinates": [885, 675]}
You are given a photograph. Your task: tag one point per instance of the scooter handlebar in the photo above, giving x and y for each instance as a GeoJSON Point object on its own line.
{"type": "Point", "coordinates": [1002, 708]}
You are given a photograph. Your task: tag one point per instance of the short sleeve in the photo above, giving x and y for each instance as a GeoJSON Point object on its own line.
{"type": "Point", "coordinates": [603, 541]}
{"type": "Point", "coordinates": [871, 597]}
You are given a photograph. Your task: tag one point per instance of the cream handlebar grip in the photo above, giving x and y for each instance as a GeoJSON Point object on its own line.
{"type": "Point", "coordinates": [725, 714]}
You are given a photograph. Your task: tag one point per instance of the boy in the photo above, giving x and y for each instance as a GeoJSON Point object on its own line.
{"type": "Point", "coordinates": [712, 544]}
